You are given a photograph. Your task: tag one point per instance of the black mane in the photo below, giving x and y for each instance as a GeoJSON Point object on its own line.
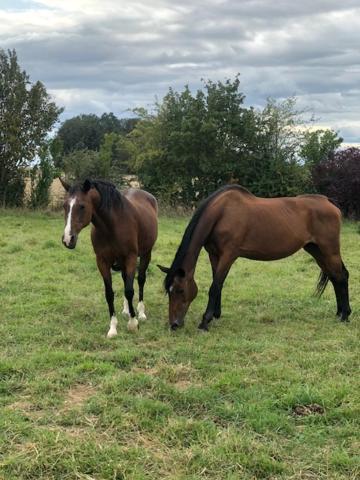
{"type": "Point", "coordinates": [110, 196]}
{"type": "Point", "coordinates": [185, 242]}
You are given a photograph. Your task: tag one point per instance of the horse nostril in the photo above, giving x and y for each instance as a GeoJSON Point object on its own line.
{"type": "Point", "coordinates": [175, 326]}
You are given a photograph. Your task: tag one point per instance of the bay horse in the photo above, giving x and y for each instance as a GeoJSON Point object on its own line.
{"type": "Point", "coordinates": [124, 228]}
{"type": "Point", "coordinates": [232, 223]}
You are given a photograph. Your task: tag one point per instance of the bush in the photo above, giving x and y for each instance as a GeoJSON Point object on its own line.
{"type": "Point", "coordinates": [338, 177]}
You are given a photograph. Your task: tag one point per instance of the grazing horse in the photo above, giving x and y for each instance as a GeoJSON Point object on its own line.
{"type": "Point", "coordinates": [124, 228]}
{"type": "Point", "coordinates": [232, 223]}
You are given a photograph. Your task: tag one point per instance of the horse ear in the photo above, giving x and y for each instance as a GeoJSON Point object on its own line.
{"type": "Point", "coordinates": [86, 186]}
{"type": "Point", "coordinates": [64, 184]}
{"type": "Point", "coordinates": [164, 269]}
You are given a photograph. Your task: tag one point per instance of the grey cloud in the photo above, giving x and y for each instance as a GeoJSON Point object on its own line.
{"type": "Point", "coordinates": [120, 60]}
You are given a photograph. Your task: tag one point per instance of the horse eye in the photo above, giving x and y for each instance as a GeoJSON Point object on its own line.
{"type": "Point", "coordinates": [82, 207]}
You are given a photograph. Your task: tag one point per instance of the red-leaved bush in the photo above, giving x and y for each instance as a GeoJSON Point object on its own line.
{"type": "Point", "coordinates": [338, 177]}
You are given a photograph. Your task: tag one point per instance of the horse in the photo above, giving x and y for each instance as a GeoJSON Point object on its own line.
{"type": "Point", "coordinates": [124, 227]}
{"type": "Point", "coordinates": [232, 223]}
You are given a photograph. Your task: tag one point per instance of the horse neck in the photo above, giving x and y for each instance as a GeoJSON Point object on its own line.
{"type": "Point", "coordinates": [103, 221]}
{"type": "Point", "coordinates": [198, 240]}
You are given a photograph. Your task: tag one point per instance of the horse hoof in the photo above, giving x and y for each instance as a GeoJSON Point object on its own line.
{"type": "Point", "coordinates": [111, 333]}
{"type": "Point", "coordinates": [203, 328]}
{"type": "Point", "coordinates": [133, 325]}
{"type": "Point", "coordinates": [141, 311]}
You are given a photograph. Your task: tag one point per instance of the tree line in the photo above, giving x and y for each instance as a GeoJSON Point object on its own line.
{"type": "Point", "coordinates": [182, 150]}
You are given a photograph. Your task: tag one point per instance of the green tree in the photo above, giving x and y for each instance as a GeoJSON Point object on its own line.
{"type": "Point", "coordinates": [319, 145]}
{"type": "Point", "coordinates": [82, 164]}
{"type": "Point", "coordinates": [189, 147]}
{"type": "Point", "coordinates": [195, 143]}
{"type": "Point", "coordinates": [41, 176]}
{"type": "Point", "coordinates": [273, 142]}
{"type": "Point", "coordinates": [115, 155]}
{"type": "Point", "coordinates": [27, 114]}
{"type": "Point", "coordinates": [87, 132]}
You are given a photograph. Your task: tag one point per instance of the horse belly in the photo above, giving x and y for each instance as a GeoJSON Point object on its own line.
{"type": "Point", "coordinates": [272, 245]}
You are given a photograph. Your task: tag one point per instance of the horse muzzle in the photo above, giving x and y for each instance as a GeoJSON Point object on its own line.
{"type": "Point", "coordinates": [69, 241]}
{"type": "Point", "coordinates": [176, 325]}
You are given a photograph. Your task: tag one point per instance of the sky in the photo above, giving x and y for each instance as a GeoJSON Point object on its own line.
{"type": "Point", "coordinates": [98, 56]}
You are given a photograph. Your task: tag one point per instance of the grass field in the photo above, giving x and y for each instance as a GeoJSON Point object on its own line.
{"type": "Point", "coordinates": [162, 405]}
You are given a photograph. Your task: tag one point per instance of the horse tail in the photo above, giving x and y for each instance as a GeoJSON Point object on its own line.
{"type": "Point", "coordinates": [322, 282]}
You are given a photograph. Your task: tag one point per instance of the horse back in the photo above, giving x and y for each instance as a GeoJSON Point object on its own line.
{"type": "Point", "coordinates": [145, 210]}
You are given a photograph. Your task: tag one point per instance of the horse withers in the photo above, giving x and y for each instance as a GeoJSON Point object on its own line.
{"type": "Point", "coordinates": [124, 227]}
{"type": "Point", "coordinates": [232, 223]}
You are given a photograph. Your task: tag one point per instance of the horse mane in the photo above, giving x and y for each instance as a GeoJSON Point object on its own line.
{"type": "Point", "coordinates": [110, 196]}
{"type": "Point", "coordinates": [190, 229]}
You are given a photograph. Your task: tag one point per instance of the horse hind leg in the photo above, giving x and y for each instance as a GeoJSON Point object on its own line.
{"type": "Point", "coordinates": [144, 263]}
{"type": "Point", "coordinates": [333, 269]}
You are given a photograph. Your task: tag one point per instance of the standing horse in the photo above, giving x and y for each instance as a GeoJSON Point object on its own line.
{"type": "Point", "coordinates": [124, 228]}
{"type": "Point", "coordinates": [232, 223]}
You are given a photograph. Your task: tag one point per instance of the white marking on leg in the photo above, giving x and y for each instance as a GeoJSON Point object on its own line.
{"type": "Point", "coordinates": [113, 324]}
{"type": "Point", "coordinates": [126, 311]}
{"type": "Point", "coordinates": [141, 311]}
{"type": "Point", "coordinates": [67, 231]}
{"type": "Point", "coordinates": [133, 325]}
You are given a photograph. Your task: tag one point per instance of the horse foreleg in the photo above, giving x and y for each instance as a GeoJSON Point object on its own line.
{"type": "Point", "coordinates": [130, 268]}
{"type": "Point", "coordinates": [222, 270]}
{"type": "Point", "coordinates": [125, 312]}
{"type": "Point", "coordinates": [144, 263]}
{"type": "Point", "coordinates": [105, 271]}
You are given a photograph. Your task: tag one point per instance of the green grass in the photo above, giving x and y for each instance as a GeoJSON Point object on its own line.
{"type": "Point", "coordinates": [182, 405]}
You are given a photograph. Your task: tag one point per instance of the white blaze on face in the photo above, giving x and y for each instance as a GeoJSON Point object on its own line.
{"type": "Point", "coordinates": [67, 231]}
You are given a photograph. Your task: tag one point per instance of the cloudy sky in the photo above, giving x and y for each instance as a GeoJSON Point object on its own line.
{"type": "Point", "coordinates": [112, 55]}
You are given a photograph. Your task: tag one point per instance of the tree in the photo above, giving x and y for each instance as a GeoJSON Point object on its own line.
{"type": "Point", "coordinates": [82, 164]}
{"type": "Point", "coordinates": [195, 143]}
{"type": "Point", "coordinates": [88, 131]}
{"type": "Point", "coordinates": [41, 177]}
{"type": "Point", "coordinates": [338, 177]}
{"type": "Point", "coordinates": [318, 145]}
{"type": "Point", "coordinates": [189, 147]}
{"type": "Point", "coordinates": [115, 155]}
{"type": "Point", "coordinates": [271, 166]}
{"type": "Point", "coordinates": [27, 114]}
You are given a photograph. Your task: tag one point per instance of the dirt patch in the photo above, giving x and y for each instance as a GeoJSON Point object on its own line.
{"type": "Point", "coordinates": [27, 408]}
{"type": "Point", "coordinates": [77, 396]}
{"type": "Point", "coordinates": [310, 409]}
{"type": "Point", "coordinates": [182, 376]}
{"type": "Point", "coordinates": [147, 370]}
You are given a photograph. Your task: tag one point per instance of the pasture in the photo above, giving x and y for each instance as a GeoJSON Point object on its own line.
{"type": "Point", "coordinates": [230, 404]}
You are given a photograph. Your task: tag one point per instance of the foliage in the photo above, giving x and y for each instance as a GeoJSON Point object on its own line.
{"type": "Point", "coordinates": [81, 164]}
{"type": "Point", "coordinates": [115, 155]}
{"type": "Point", "coordinates": [319, 145]}
{"type": "Point", "coordinates": [195, 143]}
{"type": "Point", "coordinates": [86, 132]}
{"type": "Point", "coordinates": [26, 116]}
{"type": "Point", "coordinates": [163, 405]}
{"type": "Point", "coordinates": [189, 147]}
{"type": "Point", "coordinates": [41, 176]}
{"type": "Point", "coordinates": [271, 165]}
{"type": "Point", "coordinates": [338, 177]}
